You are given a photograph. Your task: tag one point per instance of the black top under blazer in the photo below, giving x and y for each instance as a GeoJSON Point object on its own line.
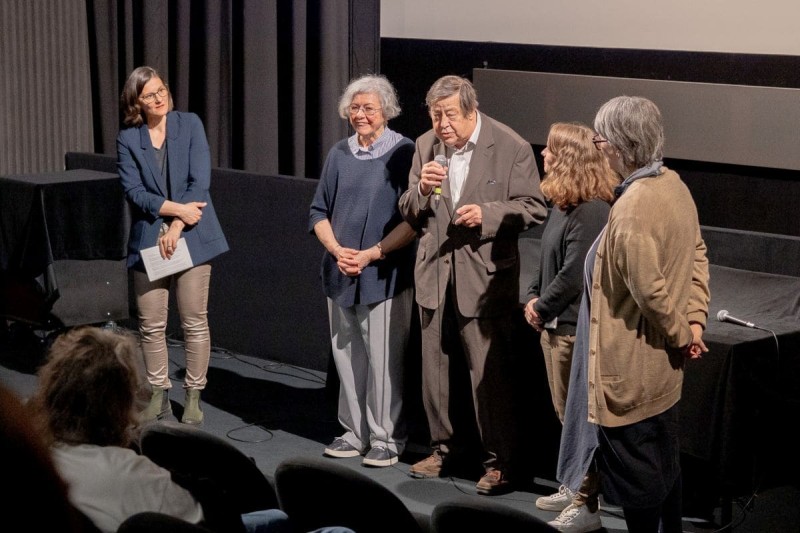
{"type": "Point", "coordinates": [189, 168]}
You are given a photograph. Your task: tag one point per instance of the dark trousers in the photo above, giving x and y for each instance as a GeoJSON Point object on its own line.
{"type": "Point", "coordinates": [640, 467]}
{"type": "Point", "coordinates": [467, 383]}
{"type": "Point", "coordinates": [647, 520]}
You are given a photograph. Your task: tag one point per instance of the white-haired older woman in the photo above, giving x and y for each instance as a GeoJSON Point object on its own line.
{"type": "Point", "coordinates": [367, 271]}
{"type": "Point", "coordinates": [643, 314]}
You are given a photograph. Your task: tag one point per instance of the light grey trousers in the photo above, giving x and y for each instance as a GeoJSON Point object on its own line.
{"type": "Point", "coordinates": [369, 344]}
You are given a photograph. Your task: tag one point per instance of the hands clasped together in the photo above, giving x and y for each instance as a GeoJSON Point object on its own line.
{"type": "Point", "coordinates": [189, 215]}
{"type": "Point", "coordinates": [351, 262]}
{"type": "Point", "coordinates": [532, 317]}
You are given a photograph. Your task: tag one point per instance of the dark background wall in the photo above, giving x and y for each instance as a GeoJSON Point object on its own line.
{"type": "Point", "coordinates": [729, 196]}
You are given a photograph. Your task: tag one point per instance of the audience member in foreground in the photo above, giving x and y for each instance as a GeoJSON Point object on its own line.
{"type": "Point", "coordinates": [32, 482]}
{"type": "Point", "coordinates": [85, 402]}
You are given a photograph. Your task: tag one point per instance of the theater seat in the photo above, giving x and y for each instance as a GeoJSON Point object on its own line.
{"type": "Point", "coordinates": [223, 479]}
{"type": "Point", "coordinates": [479, 514]}
{"type": "Point", "coordinates": [317, 493]}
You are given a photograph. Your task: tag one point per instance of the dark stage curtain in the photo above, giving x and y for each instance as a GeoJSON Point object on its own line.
{"type": "Point", "coordinates": [264, 75]}
{"type": "Point", "coordinates": [45, 89]}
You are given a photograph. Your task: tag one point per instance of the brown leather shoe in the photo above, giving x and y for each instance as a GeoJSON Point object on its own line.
{"type": "Point", "coordinates": [429, 467]}
{"type": "Point", "coordinates": [493, 482]}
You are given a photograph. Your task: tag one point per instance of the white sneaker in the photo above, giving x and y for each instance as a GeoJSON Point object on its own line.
{"type": "Point", "coordinates": [556, 502]}
{"type": "Point", "coordinates": [577, 519]}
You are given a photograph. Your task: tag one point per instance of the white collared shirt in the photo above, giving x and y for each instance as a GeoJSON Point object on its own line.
{"type": "Point", "coordinates": [458, 163]}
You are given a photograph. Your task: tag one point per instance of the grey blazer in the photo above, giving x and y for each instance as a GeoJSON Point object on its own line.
{"type": "Point", "coordinates": [504, 181]}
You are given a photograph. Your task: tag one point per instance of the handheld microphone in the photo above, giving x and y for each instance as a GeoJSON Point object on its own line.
{"type": "Point", "coordinates": [437, 191]}
{"type": "Point", "coordinates": [723, 316]}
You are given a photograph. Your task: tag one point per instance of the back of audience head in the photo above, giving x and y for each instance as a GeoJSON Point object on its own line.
{"type": "Point", "coordinates": [87, 388]}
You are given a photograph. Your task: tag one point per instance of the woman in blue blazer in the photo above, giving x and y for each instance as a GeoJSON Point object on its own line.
{"type": "Point", "coordinates": [164, 163]}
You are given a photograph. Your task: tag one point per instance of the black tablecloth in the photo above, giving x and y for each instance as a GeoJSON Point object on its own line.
{"type": "Point", "coordinates": [741, 401]}
{"type": "Point", "coordinates": [76, 214]}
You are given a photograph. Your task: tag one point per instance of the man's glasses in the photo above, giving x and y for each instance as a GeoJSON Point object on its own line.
{"type": "Point", "coordinates": [150, 97]}
{"type": "Point", "coordinates": [597, 140]}
{"type": "Point", "coordinates": [367, 109]}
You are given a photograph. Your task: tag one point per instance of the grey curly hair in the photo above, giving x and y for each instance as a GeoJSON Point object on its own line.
{"type": "Point", "coordinates": [371, 84]}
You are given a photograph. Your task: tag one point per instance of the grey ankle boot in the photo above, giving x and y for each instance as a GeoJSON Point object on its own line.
{"type": "Point", "coordinates": [159, 406]}
{"type": "Point", "coordinates": [192, 414]}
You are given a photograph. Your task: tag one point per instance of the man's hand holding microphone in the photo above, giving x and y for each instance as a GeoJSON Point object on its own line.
{"type": "Point", "coordinates": [432, 175]}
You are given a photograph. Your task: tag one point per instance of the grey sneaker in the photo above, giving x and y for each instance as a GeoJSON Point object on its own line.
{"type": "Point", "coordinates": [380, 456]}
{"type": "Point", "coordinates": [556, 502]}
{"type": "Point", "coordinates": [341, 448]}
{"type": "Point", "coordinates": [577, 519]}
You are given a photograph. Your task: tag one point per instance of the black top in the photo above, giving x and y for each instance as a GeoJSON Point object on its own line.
{"type": "Point", "coordinates": [566, 239]}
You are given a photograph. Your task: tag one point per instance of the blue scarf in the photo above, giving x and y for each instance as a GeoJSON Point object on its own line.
{"type": "Point", "coordinates": [653, 169]}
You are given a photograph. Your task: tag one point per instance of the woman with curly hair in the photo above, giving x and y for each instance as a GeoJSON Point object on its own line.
{"type": "Point", "coordinates": [580, 184]}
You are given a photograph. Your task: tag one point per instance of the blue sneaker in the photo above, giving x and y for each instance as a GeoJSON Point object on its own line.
{"type": "Point", "coordinates": [341, 448]}
{"type": "Point", "coordinates": [380, 456]}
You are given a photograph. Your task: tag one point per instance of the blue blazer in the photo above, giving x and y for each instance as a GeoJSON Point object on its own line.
{"type": "Point", "coordinates": [189, 166]}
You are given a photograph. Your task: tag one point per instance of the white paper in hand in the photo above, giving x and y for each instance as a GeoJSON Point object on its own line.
{"type": "Point", "coordinates": [157, 267]}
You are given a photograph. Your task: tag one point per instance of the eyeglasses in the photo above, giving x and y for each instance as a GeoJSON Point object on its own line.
{"type": "Point", "coordinates": [597, 140]}
{"type": "Point", "coordinates": [367, 109]}
{"type": "Point", "coordinates": [149, 97]}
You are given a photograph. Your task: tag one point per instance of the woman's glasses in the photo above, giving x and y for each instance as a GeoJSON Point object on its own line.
{"type": "Point", "coordinates": [150, 97]}
{"type": "Point", "coordinates": [597, 140]}
{"type": "Point", "coordinates": [367, 109]}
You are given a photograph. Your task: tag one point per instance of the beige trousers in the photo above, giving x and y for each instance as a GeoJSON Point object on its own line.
{"type": "Point", "coordinates": [152, 301]}
{"type": "Point", "coordinates": [557, 350]}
